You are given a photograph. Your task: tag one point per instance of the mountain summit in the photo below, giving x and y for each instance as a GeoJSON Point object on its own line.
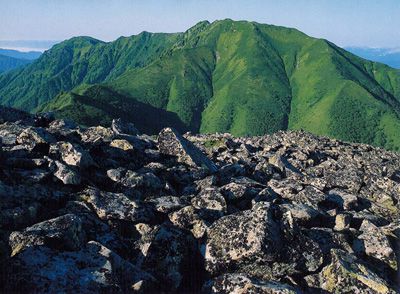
{"type": "Point", "coordinates": [240, 77]}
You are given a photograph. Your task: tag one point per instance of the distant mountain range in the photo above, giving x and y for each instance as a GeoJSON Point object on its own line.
{"type": "Point", "coordinates": [240, 77]}
{"type": "Point", "coordinates": [29, 55]}
{"type": "Point", "coordinates": [11, 59]}
{"type": "Point", "coordinates": [389, 56]}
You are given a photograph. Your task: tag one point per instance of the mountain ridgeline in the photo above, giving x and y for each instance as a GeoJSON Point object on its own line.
{"type": "Point", "coordinates": [227, 76]}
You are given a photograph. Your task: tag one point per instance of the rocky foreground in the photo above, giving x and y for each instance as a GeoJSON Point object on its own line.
{"type": "Point", "coordinates": [108, 210]}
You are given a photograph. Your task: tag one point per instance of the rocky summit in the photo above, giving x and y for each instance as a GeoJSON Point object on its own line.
{"type": "Point", "coordinates": [87, 210]}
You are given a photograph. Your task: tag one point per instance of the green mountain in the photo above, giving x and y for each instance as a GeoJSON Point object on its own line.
{"type": "Point", "coordinates": [240, 77]}
{"type": "Point", "coordinates": [8, 63]}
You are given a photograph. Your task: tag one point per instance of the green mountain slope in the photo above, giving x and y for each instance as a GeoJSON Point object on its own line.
{"type": "Point", "coordinates": [76, 61]}
{"type": "Point", "coordinates": [240, 77]}
{"type": "Point", "coordinates": [8, 63]}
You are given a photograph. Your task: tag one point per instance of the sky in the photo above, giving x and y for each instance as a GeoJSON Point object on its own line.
{"type": "Point", "coordinates": [369, 23]}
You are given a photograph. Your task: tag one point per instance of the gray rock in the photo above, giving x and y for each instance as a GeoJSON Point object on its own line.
{"type": "Point", "coordinates": [240, 283]}
{"type": "Point", "coordinates": [93, 269]}
{"type": "Point", "coordinates": [65, 173]}
{"type": "Point", "coordinates": [345, 274]}
{"type": "Point", "coordinates": [254, 243]}
{"type": "Point", "coordinates": [36, 139]}
{"type": "Point", "coordinates": [115, 206]}
{"type": "Point", "coordinates": [119, 126]}
{"type": "Point", "coordinates": [170, 142]}
{"type": "Point", "coordinates": [63, 233]}
{"type": "Point", "coordinates": [95, 135]}
{"type": "Point", "coordinates": [71, 154]}
{"type": "Point", "coordinates": [168, 253]}
{"type": "Point", "coordinates": [373, 242]}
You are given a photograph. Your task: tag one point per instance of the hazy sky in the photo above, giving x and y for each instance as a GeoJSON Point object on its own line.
{"type": "Point", "coordinates": [373, 23]}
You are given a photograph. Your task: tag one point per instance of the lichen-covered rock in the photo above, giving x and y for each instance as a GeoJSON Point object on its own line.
{"type": "Point", "coordinates": [115, 206]}
{"type": "Point", "coordinates": [169, 254]}
{"type": "Point", "coordinates": [71, 154]}
{"type": "Point", "coordinates": [119, 126]}
{"type": "Point", "coordinates": [210, 203]}
{"type": "Point", "coordinates": [373, 242]}
{"type": "Point", "coordinates": [66, 174]}
{"type": "Point", "coordinates": [94, 269]}
{"type": "Point", "coordinates": [255, 243]}
{"type": "Point", "coordinates": [64, 233]}
{"type": "Point", "coordinates": [345, 274]}
{"type": "Point", "coordinates": [95, 135]}
{"type": "Point", "coordinates": [170, 142]}
{"type": "Point", "coordinates": [36, 139]}
{"type": "Point", "coordinates": [239, 283]}
{"type": "Point", "coordinates": [283, 213]}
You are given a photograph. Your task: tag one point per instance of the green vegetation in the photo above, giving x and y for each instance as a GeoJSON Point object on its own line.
{"type": "Point", "coordinates": [8, 63]}
{"type": "Point", "coordinates": [239, 77]}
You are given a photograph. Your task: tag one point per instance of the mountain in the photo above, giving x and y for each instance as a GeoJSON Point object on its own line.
{"type": "Point", "coordinates": [389, 56]}
{"type": "Point", "coordinates": [240, 77]}
{"type": "Point", "coordinates": [30, 55]}
{"type": "Point", "coordinates": [7, 63]}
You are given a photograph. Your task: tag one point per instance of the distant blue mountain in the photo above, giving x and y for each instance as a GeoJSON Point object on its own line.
{"type": "Point", "coordinates": [8, 63]}
{"type": "Point", "coordinates": [31, 55]}
{"type": "Point", "coordinates": [389, 56]}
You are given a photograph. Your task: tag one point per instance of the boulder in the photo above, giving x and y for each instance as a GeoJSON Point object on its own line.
{"type": "Point", "coordinates": [169, 254]}
{"type": "Point", "coordinates": [346, 274]}
{"type": "Point", "coordinates": [115, 206]}
{"type": "Point", "coordinates": [71, 154]}
{"type": "Point", "coordinates": [66, 174]}
{"type": "Point", "coordinates": [240, 283]}
{"type": "Point", "coordinates": [374, 243]}
{"type": "Point", "coordinates": [96, 135]}
{"type": "Point", "coordinates": [119, 126]}
{"type": "Point", "coordinates": [253, 242]}
{"type": "Point", "coordinates": [170, 142]}
{"type": "Point", "coordinates": [62, 233]}
{"type": "Point", "coordinates": [94, 269]}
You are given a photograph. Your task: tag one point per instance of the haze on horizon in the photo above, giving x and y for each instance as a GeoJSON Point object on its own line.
{"type": "Point", "coordinates": [368, 23]}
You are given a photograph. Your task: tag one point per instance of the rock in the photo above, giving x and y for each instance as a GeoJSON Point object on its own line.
{"type": "Point", "coordinates": [346, 200]}
{"type": "Point", "coordinates": [131, 179]}
{"type": "Point", "coordinates": [253, 242]}
{"type": "Point", "coordinates": [37, 139]}
{"type": "Point", "coordinates": [66, 174]}
{"type": "Point", "coordinates": [122, 144]}
{"type": "Point", "coordinates": [168, 253]}
{"type": "Point", "coordinates": [185, 217]}
{"type": "Point", "coordinates": [119, 126]}
{"type": "Point", "coordinates": [172, 143]}
{"type": "Point", "coordinates": [345, 274]}
{"type": "Point", "coordinates": [63, 233]}
{"type": "Point", "coordinates": [342, 222]}
{"type": "Point", "coordinates": [239, 283]}
{"type": "Point", "coordinates": [116, 206]}
{"type": "Point", "coordinates": [289, 212]}
{"type": "Point", "coordinates": [71, 154]}
{"type": "Point", "coordinates": [167, 204]}
{"type": "Point", "coordinates": [373, 242]}
{"type": "Point", "coordinates": [93, 269]}
{"type": "Point", "coordinates": [95, 135]}
{"type": "Point", "coordinates": [210, 203]}
{"type": "Point", "coordinates": [303, 213]}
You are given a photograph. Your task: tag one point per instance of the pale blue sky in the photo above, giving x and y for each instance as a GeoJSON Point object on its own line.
{"type": "Point", "coordinates": [373, 23]}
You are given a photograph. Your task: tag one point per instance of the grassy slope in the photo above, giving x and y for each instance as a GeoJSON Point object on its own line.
{"type": "Point", "coordinates": [76, 61]}
{"type": "Point", "coordinates": [99, 105]}
{"type": "Point", "coordinates": [247, 79]}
